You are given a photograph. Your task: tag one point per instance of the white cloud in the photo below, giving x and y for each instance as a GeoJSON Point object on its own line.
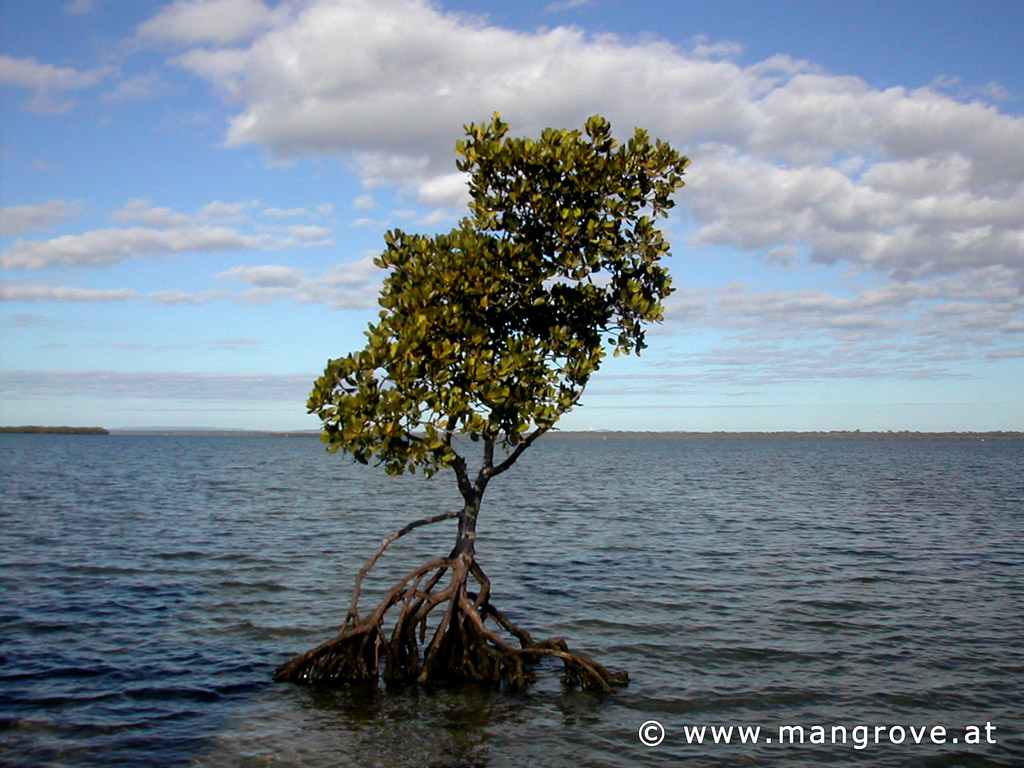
{"type": "Point", "coordinates": [140, 211]}
{"type": "Point", "coordinates": [350, 285]}
{"type": "Point", "coordinates": [974, 311]}
{"type": "Point", "coordinates": [353, 274]}
{"type": "Point", "coordinates": [787, 158]}
{"type": "Point", "coordinates": [908, 218]}
{"type": "Point", "coordinates": [201, 21]}
{"type": "Point", "coordinates": [266, 276]}
{"type": "Point", "coordinates": [566, 5]}
{"type": "Point", "coordinates": [449, 190]}
{"type": "Point", "coordinates": [143, 212]}
{"type": "Point", "coordinates": [109, 246]}
{"type": "Point", "coordinates": [223, 67]}
{"type": "Point", "coordinates": [156, 385]}
{"type": "Point", "coordinates": [324, 209]}
{"type": "Point", "coordinates": [310, 233]}
{"type": "Point", "coordinates": [136, 87]}
{"type": "Point", "coordinates": [811, 116]}
{"type": "Point", "coordinates": [171, 297]}
{"type": "Point", "coordinates": [772, 361]}
{"type": "Point", "coordinates": [79, 7]}
{"type": "Point", "coordinates": [286, 213]}
{"type": "Point", "coordinates": [161, 231]}
{"type": "Point", "coordinates": [9, 292]}
{"type": "Point", "coordinates": [232, 213]}
{"type": "Point", "coordinates": [401, 77]}
{"type": "Point", "coordinates": [47, 81]}
{"type": "Point", "coordinates": [918, 193]}
{"type": "Point", "coordinates": [18, 219]}
{"type": "Point", "coordinates": [917, 329]}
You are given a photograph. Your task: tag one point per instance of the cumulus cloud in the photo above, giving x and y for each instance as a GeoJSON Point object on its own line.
{"type": "Point", "coordinates": [907, 218]}
{"type": "Point", "coordinates": [18, 219]}
{"type": "Point", "coordinates": [917, 194]}
{"type": "Point", "coordinates": [160, 231]}
{"type": "Point", "coordinates": [401, 78]}
{"type": "Point", "coordinates": [266, 276]}
{"type": "Point", "coordinates": [449, 190]}
{"type": "Point", "coordinates": [788, 159]}
{"type": "Point", "coordinates": [47, 81]}
{"type": "Point", "coordinates": [109, 246]}
{"type": "Point", "coordinates": [202, 21]}
{"type": "Point", "coordinates": [143, 212]}
{"type": "Point", "coordinates": [310, 233]}
{"type": "Point", "coordinates": [225, 212]}
{"type": "Point", "coordinates": [349, 285]}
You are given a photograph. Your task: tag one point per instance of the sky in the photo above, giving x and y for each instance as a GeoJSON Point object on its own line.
{"type": "Point", "coordinates": [193, 192]}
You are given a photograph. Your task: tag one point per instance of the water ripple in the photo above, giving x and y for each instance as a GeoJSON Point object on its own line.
{"type": "Point", "coordinates": [151, 585]}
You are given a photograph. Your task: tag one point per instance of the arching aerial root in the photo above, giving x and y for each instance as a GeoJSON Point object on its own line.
{"type": "Point", "coordinates": [441, 635]}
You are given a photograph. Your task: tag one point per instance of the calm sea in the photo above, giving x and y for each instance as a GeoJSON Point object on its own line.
{"type": "Point", "coordinates": [150, 585]}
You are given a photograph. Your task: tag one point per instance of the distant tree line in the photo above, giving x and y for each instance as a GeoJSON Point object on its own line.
{"type": "Point", "coordinates": [36, 430]}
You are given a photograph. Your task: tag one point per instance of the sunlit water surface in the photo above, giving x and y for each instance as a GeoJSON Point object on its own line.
{"type": "Point", "coordinates": [150, 585]}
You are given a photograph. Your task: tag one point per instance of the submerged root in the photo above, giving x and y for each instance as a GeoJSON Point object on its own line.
{"type": "Point", "coordinates": [440, 635]}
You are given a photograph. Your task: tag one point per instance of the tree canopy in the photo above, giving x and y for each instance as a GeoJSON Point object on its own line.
{"type": "Point", "coordinates": [493, 329]}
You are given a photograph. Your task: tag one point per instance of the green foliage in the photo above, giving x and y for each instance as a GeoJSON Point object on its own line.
{"type": "Point", "coordinates": [494, 329]}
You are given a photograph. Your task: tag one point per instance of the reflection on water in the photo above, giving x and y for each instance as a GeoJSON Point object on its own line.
{"type": "Point", "coordinates": [151, 585]}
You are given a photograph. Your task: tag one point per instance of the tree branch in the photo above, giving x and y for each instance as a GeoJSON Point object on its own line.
{"type": "Point", "coordinates": [462, 475]}
{"type": "Point", "coordinates": [487, 467]}
{"type": "Point", "coordinates": [353, 611]}
{"type": "Point", "coordinates": [514, 456]}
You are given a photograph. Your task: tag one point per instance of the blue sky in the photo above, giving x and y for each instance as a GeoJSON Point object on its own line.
{"type": "Point", "coordinates": [192, 193]}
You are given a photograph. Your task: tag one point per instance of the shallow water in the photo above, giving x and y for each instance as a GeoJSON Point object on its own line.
{"type": "Point", "coordinates": [152, 584]}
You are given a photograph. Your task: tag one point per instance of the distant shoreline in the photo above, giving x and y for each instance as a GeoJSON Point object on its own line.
{"type": "Point", "coordinates": [36, 430]}
{"type": "Point", "coordinates": [833, 435]}
{"type": "Point", "coordinates": [807, 436]}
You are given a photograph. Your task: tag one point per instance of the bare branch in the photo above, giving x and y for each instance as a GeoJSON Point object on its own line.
{"type": "Point", "coordinates": [514, 456]}
{"type": "Point", "coordinates": [353, 611]}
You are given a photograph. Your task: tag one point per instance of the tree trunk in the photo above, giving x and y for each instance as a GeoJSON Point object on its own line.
{"type": "Point", "coordinates": [465, 537]}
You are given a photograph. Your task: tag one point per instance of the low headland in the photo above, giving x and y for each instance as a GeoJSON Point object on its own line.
{"type": "Point", "coordinates": [37, 430]}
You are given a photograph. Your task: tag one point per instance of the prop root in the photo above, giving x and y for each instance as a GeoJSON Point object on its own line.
{"type": "Point", "coordinates": [442, 633]}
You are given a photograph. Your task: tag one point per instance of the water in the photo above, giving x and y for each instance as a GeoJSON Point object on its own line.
{"type": "Point", "coordinates": [150, 586]}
